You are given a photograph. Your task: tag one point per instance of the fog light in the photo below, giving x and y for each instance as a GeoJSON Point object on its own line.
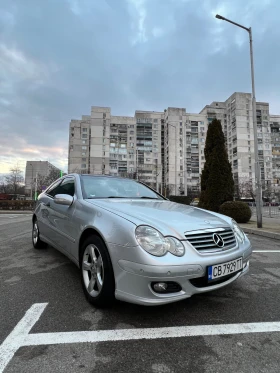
{"type": "Point", "coordinates": [160, 287]}
{"type": "Point", "coordinates": [166, 287]}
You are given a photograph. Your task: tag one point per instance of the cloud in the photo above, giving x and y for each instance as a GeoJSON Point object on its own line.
{"type": "Point", "coordinates": [58, 58]}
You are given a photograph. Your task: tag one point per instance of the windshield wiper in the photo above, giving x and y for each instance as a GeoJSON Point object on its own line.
{"type": "Point", "coordinates": [145, 197]}
{"type": "Point", "coordinates": [115, 197]}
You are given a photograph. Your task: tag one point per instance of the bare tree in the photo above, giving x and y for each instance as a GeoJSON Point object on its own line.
{"type": "Point", "coordinates": [45, 181]}
{"type": "Point", "coordinates": [14, 180]}
{"type": "Point", "coordinates": [3, 185]}
{"type": "Point", "coordinates": [244, 189]}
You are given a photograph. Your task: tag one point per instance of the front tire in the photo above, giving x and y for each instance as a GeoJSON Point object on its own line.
{"type": "Point", "coordinates": [96, 272]}
{"type": "Point", "coordinates": [37, 242]}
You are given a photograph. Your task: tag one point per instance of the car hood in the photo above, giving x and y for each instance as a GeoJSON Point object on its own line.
{"type": "Point", "coordinates": [169, 218]}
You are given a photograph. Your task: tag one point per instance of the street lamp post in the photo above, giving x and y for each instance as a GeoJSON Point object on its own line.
{"type": "Point", "coordinates": [257, 164]}
{"type": "Point", "coordinates": [172, 125]}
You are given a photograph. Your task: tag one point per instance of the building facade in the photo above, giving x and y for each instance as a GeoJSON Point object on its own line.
{"type": "Point", "coordinates": [236, 117]}
{"type": "Point", "coordinates": [36, 168]}
{"type": "Point", "coordinates": [275, 148]}
{"type": "Point", "coordinates": [166, 149]}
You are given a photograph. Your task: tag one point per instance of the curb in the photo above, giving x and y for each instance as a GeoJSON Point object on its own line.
{"type": "Point", "coordinates": [15, 212]}
{"type": "Point", "coordinates": [257, 232]}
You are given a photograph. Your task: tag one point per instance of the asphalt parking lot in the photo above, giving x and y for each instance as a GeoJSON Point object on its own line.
{"type": "Point", "coordinates": [234, 329]}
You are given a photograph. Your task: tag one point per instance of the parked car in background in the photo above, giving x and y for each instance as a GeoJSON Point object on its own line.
{"type": "Point", "coordinates": [195, 202]}
{"type": "Point", "coordinates": [132, 244]}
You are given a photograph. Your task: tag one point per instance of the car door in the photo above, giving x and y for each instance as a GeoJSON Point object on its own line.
{"type": "Point", "coordinates": [43, 210]}
{"type": "Point", "coordinates": [62, 223]}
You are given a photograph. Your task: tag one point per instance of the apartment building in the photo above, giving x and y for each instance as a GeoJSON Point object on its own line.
{"type": "Point", "coordinates": [236, 117]}
{"type": "Point", "coordinates": [162, 149]}
{"type": "Point", "coordinates": [33, 168]}
{"type": "Point", "coordinates": [275, 148]}
{"type": "Point", "coordinates": [166, 149]}
{"type": "Point", "coordinates": [183, 151]}
{"type": "Point", "coordinates": [117, 145]}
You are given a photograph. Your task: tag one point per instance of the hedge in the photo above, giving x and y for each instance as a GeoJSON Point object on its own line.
{"type": "Point", "coordinates": [237, 210]}
{"type": "Point", "coordinates": [16, 205]}
{"type": "Point", "coordinates": [185, 200]}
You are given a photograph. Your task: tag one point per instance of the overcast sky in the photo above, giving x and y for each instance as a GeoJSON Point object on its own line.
{"type": "Point", "coordinates": [60, 57]}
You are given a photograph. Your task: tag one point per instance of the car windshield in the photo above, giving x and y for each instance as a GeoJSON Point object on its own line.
{"type": "Point", "coordinates": [107, 187]}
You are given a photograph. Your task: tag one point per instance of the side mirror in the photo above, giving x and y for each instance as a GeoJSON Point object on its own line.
{"type": "Point", "coordinates": [63, 199]}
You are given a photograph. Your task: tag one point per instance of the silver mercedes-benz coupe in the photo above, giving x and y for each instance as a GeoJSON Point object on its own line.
{"type": "Point", "coordinates": [133, 244]}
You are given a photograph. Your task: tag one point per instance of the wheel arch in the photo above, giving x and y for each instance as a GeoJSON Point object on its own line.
{"type": "Point", "coordinates": [87, 233]}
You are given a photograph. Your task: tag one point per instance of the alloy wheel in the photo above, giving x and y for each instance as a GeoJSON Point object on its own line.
{"type": "Point", "coordinates": [93, 270]}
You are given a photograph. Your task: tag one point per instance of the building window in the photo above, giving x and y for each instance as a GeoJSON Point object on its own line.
{"type": "Point", "coordinates": [84, 148]}
{"type": "Point", "coordinates": [83, 153]}
{"type": "Point", "coordinates": [84, 159]}
{"type": "Point", "coordinates": [155, 120]}
{"type": "Point", "coordinates": [84, 129]}
{"type": "Point", "coordinates": [83, 142]}
{"type": "Point", "coordinates": [83, 165]}
{"type": "Point", "coordinates": [84, 135]}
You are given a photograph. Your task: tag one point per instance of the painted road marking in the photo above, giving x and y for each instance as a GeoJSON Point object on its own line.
{"type": "Point", "coordinates": [149, 333]}
{"type": "Point", "coordinates": [20, 336]}
{"type": "Point", "coordinates": [16, 338]}
{"type": "Point", "coordinates": [266, 251]}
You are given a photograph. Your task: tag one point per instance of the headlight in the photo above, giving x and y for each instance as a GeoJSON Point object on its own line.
{"type": "Point", "coordinates": [175, 246]}
{"type": "Point", "coordinates": [156, 244]}
{"type": "Point", "coordinates": [151, 240]}
{"type": "Point", "coordinates": [238, 231]}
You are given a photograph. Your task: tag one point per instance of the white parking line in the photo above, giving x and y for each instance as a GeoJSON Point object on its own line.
{"type": "Point", "coordinates": [149, 333]}
{"type": "Point", "coordinates": [20, 336]}
{"type": "Point", "coordinates": [266, 251]}
{"type": "Point", "coordinates": [16, 338]}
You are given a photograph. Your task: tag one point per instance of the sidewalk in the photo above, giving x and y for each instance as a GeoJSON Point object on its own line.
{"type": "Point", "coordinates": [271, 227]}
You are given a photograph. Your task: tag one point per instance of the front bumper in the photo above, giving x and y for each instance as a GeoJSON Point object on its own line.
{"type": "Point", "coordinates": [133, 280]}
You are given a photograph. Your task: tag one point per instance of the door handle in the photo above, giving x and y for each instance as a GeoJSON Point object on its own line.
{"type": "Point", "coordinates": [48, 204]}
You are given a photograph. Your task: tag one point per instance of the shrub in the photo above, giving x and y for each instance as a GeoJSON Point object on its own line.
{"type": "Point", "coordinates": [185, 200]}
{"type": "Point", "coordinates": [16, 205]}
{"type": "Point", "coordinates": [237, 210]}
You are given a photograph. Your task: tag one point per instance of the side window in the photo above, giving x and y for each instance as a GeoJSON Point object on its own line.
{"type": "Point", "coordinates": [52, 191]}
{"type": "Point", "coordinates": [67, 187]}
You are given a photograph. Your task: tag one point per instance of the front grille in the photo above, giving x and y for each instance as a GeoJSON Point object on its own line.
{"type": "Point", "coordinates": [203, 241]}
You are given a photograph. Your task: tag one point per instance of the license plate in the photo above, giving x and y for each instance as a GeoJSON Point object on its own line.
{"type": "Point", "coordinates": [224, 269]}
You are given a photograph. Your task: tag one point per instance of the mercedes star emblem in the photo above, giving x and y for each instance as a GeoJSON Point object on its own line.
{"type": "Point", "coordinates": [218, 240]}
